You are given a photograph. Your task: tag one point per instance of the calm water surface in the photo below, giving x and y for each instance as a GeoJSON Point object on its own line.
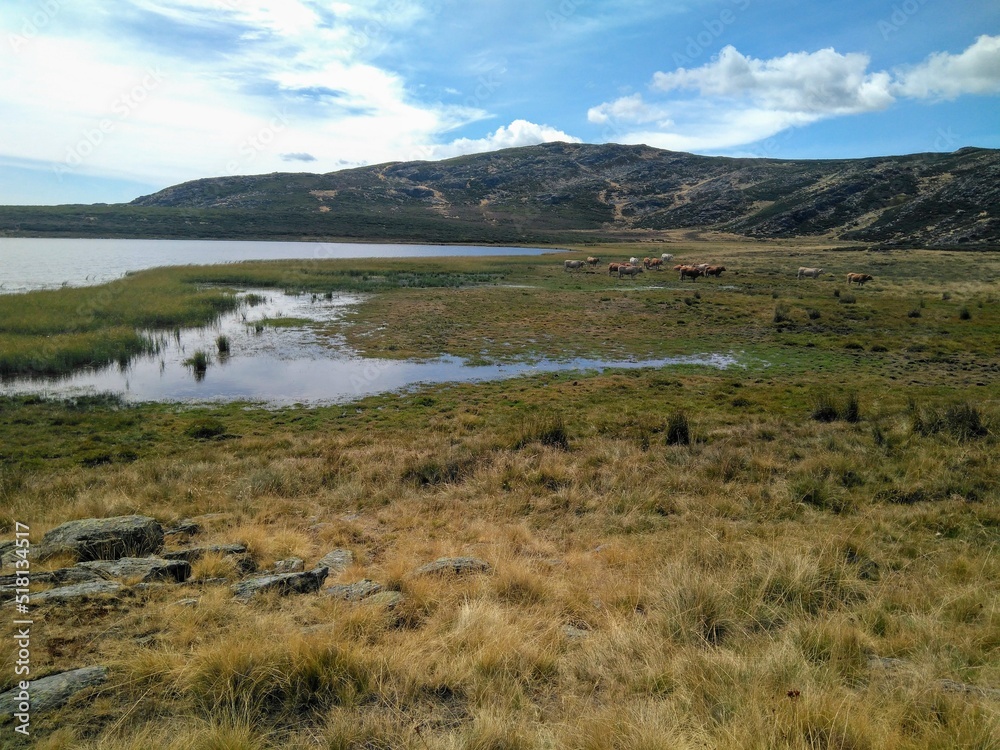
{"type": "Point", "coordinates": [282, 366]}
{"type": "Point", "coordinates": [37, 263]}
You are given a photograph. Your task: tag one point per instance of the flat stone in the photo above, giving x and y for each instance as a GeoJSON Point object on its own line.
{"type": "Point", "coordinates": [187, 526]}
{"type": "Point", "coordinates": [951, 686]}
{"type": "Point", "coordinates": [455, 565]}
{"type": "Point", "coordinates": [53, 691]}
{"type": "Point", "coordinates": [104, 538]}
{"type": "Point", "coordinates": [574, 633]}
{"type": "Point", "coordinates": [291, 565]}
{"type": "Point", "coordinates": [141, 569]}
{"type": "Point", "coordinates": [354, 592]}
{"type": "Point", "coordinates": [77, 591]}
{"type": "Point", "coordinates": [284, 583]}
{"type": "Point", "coordinates": [62, 576]}
{"type": "Point", "coordinates": [337, 561]}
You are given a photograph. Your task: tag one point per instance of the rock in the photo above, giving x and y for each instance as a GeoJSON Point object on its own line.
{"type": "Point", "coordinates": [143, 569]}
{"type": "Point", "coordinates": [387, 599]}
{"type": "Point", "coordinates": [337, 561]}
{"type": "Point", "coordinates": [456, 565]}
{"type": "Point", "coordinates": [62, 576]}
{"type": "Point", "coordinates": [354, 592]}
{"type": "Point", "coordinates": [53, 691]}
{"type": "Point", "coordinates": [291, 565]}
{"type": "Point", "coordinates": [104, 538]}
{"type": "Point", "coordinates": [185, 603]}
{"type": "Point", "coordinates": [77, 591]}
{"type": "Point", "coordinates": [186, 526]}
{"type": "Point", "coordinates": [284, 583]}
{"type": "Point", "coordinates": [574, 633]}
{"type": "Point", "coordinates": [951, 686]}
{"type": "Point", "coordinates": [7, 550]}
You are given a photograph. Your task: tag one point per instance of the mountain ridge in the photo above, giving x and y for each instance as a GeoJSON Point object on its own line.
{"type": "Point", "coordinates": [568, 192]}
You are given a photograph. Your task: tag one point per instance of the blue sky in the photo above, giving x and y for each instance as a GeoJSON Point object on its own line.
{"type": "Point", "coordinates": [106, 101]}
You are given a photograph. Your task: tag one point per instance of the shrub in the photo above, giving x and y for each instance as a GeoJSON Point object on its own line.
{"type": "Point", "coordinates": [678, 429]}
{"type": "Point", "coordinates": [964, 314]}
{"type": "Point", "coordinates": [813, 314]}
{"type": "Point", "coordinates": [914, 313]}
{"type": "Point", "coordinates": [781, 314]}
{"type": "Point", "coordinates": [847, 299]}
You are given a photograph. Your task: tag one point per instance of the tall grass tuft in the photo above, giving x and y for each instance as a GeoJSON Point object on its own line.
{"type": "Point", "coordinates": [547, 429]}
{"type": "Point", "coordinates": [678, 429]}
{"type": "Point", "coordinates": [962, 421]}
{"type": "Point", "coordinates": [826, 409]}
{"type": "Point", "coordinates": [964, 314]}
{"type": "Point", "coordinates": [222, 342]}
{"type": "Point", "coordinates": [199, 363]}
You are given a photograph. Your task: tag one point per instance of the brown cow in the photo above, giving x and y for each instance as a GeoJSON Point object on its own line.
{"type": "Point", "coordinates": [652, 263]}
{"type": "Point", "coordinates": [692, 272]}
{"type": "Point", "coordinates": [858, 278]}
{"type": "Point", "coordinates": [613, 268]}
{"type": "Point", "coordinates": [715, 271]}
{"type": "Point", "coordinates": [592, 261]}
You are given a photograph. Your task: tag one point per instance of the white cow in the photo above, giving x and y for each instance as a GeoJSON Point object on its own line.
{"type": "Point", "coordinates": [633, 261]}
{"type": "Point", "coordinates": [666, 256]}
{"type": "Point", "coordinates": [809, 273]}
{"type": "Point", "coordinates": [629, 270]}
{"type": "Point", "coordinates": [572, 265]}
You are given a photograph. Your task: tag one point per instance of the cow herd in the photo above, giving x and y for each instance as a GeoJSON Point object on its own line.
{"type": "Point", "coordinates": [632, 268]}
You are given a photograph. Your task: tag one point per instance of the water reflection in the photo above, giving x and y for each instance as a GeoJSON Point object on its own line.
{"type": "Point", "coordinates": [267, 361]}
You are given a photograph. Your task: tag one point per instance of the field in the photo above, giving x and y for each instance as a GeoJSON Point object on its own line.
{"type": "Point", "coordinates": [799, 551]}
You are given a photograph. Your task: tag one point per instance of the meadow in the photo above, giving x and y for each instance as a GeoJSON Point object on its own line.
{"type": "Point", "coordinates": [797, 552]}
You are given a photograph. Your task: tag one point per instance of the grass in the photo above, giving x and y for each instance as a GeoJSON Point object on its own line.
{"type": "Point", "coordinates": [681, 556]}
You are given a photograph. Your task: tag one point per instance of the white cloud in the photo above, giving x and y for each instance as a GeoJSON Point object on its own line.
{"type": "Point", "coordinates": [823, 82]}
{"type": "Point", "coordinates": [739, 100]}
{"type": "Point", "coordinates": [518, 133]}
{"type": "Point", "coordinates": [946, 76]}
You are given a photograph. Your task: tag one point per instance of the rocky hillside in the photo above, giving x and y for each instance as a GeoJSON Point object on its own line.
{"type": "Point", "coordinates": [936, 200]}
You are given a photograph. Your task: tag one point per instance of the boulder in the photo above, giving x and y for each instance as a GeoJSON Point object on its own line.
{"type": "Point", "coordinates": [142, 569]}
{"type": "Point", "coordinates": [284, 583]}
{"type": "Point", "coordinates": [104, 538]}
{"type": "Point", "coordinates": [354, 592]}
{"type": "Point", "coordinates": [77, 591]}
{"type": "Point", "coordinates": [53, 691]}
{"type": "Point", "coordinates": [244, 562]}
{"type": "Point", "coordinates": [291, 565]}
{"type": "Point", "coordinates": [337, 561]}
{"type": "Point", "coordinates": [454, 565]}
{"type": "Point", "coordinates": [62, 576]}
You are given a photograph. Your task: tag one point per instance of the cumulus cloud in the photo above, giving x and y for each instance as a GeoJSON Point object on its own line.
{"type": "Point", "coordinates": [518, 133]}
{"type": "Point", "coordinates": [735, 99]}
{"type": "Point", "coordinates": [298, 157]}
{"type": "Point", "coordinates": [947, 76]}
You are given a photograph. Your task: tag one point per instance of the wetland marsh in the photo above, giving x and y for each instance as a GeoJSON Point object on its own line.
{"type": "Point", "coordinates": [799, 552]}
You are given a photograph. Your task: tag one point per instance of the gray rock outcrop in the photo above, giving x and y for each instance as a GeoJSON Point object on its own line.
{"type": "Point", "coordinates": [62, 576]}
{"type": "Point", "coordinates": [337, 561]}
{"type": "Point", "coordinates": [354, 592]}
{"type": "Point", "coordinates": [141, 569]}
{"type": "Point", "coordinates": [77, 591]}
{"type": "Point", "coordinates": [103, 538]}
{"type": "Point", "coordinates": [53, 691]}
{"type": "Point", "coordinates": [284, 583]}
{"type": "Point", "coordinates": [454, 565]}
{"type": "Point", "coordinates": [291, 565]}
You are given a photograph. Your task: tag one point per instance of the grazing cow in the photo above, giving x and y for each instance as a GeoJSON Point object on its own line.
{"type": "Point", "coordinates": [629, 270]}
{"type": "Point", "coordinates": [858, 278]}
{"type": "Point", "coordinates": [692, 272]}
{"type": "Point", "coordinates": [666, 257]}
{"type": "Point", "coordinates": [592, 261]}
{"type": "Point", "coordinates": [633, 261]}
{"type": "Point", "coordinates": [715, 271]}
{"type": "Point", "coordinates": [654, 264]}
{"type": "Point", "coordinates": [810, 273]}
{"type": "Point", "coordinates": [572, 265]}
{"type": "Point", "coordinates": [703, 267]}
{"type": "Point", "coordinates": [613, 268]}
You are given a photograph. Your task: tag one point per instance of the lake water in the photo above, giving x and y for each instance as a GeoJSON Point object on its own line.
{"type": "Point", "coordinates": [282, 366]}
{"type": "Point", "coordinates": [38, 263]}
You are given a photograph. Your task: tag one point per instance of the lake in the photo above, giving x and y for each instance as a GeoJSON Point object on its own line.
{"type": "Point", "coordinates": [40, 263]}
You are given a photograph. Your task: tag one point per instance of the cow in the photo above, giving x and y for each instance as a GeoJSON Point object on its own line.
{"type": "Point", "coordinates": [809, 273]}
{"type": "Point", "coordinates": [654, 264]}
{"type": "Point", "coordinates": [592, 261]}
{"type": "Point", "coordinates": [633, 261]}
{"type": "Point", "coordinates": [666, 257]}
{"type": "Point", "coordinates": [715, 271]}
{"type": "Point", "coordinates": [703, 267]}
{"type": "Point", "coordinates": [692, 272]}
{"type": "Point", "coordinates": [613, 268]}
{"type": "Point", "coordinates": [629, 270]}
{"type": "Point", "coordinates": [858, 278]}
{"type": "Point", "coordinates": [572, 265]}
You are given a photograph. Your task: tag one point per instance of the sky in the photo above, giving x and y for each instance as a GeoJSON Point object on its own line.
{"type": "Point", "coordinates": [107, 100]}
